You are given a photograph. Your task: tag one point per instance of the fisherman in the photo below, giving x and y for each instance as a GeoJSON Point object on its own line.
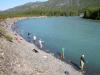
{"type": "Point", "coordinates": [29, 37]}
{"type": "Point", "coordinates": [29, 34]}
{"type": "Point", "coordinates": [40, 43]}
{"type": "Point", "coordinates": [34, 39]}
{"type": "Point", "coordinates": [82, 62]}
{"type": "Point", "coordinates": [62, 54]}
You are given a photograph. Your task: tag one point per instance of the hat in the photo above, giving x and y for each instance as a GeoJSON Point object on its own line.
{"type": "Point", "coordinates": [83, 55]}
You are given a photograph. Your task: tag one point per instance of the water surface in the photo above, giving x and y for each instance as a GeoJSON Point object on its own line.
{"type": "Point", "coordinates": [78, 36]}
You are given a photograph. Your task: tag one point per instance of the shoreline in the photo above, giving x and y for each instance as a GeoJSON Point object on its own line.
{"type": "Point", "coordinates": [11, 22]}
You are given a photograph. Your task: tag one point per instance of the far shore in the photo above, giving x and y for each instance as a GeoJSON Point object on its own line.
{"type": "Point", "coordinates": [9, 22]}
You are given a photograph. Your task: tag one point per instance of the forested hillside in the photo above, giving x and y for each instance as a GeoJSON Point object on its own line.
{"type": "Point", "coordinates": [52, 8]}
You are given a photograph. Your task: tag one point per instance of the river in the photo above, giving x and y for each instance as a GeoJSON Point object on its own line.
{"type": "Point", "coordinates": [76, 35]}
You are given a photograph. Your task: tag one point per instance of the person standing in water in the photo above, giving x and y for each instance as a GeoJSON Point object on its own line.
{"type": "Point", "coordinates": [82, 62]}
{"type": "Point", "coordinates": [62, 54]}
{"type": "Point", "coordinates": [28, 33]}
{"type": "Point", "coordinates": [40, 43]}
{"type": "Point", "coordinates": [34, 39]}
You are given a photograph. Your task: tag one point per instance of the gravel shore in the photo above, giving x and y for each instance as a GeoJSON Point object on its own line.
{"type": "Point", "coordinates": [19, 58]}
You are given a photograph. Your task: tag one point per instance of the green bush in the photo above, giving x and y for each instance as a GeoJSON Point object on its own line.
{"type": "Point", "coordinates": [4, 34]}
{"type": "Point", "coordinates": [2, 31]}
{"type": "Point", "coordinates": [8, 38]}
{"type": "Point", "coordinates": [92, 13]}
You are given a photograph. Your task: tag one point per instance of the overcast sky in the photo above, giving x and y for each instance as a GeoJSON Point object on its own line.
{"type": "Point", "coordinates": [6, 4]}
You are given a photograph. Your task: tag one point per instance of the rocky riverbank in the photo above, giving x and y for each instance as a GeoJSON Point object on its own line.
{"type": "Point", "coordinates": [20, 58]}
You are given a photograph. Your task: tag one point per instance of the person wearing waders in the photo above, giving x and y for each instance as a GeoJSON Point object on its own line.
{"type": "Point", "coordinates": [82, 62]}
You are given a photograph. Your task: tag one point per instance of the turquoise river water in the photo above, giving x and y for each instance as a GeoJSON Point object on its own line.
{"type": "Point", "coordinates": [76, 35]}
